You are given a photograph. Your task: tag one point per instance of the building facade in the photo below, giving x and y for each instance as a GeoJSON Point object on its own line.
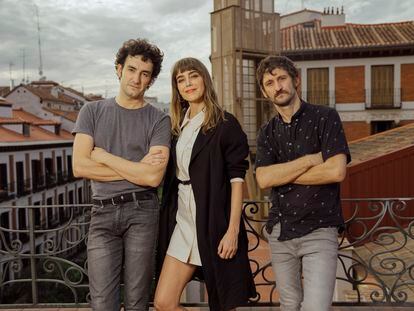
{"type": "Point", "coordinates": [242, 33]}
{"type": "Point", "coordinates": [35, 169]}
{"type": "Point", "coordinates": [363, 71]}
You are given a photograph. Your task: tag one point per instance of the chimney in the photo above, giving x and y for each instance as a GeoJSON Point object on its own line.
{"type": "Point", "coordinates": [332, 19]}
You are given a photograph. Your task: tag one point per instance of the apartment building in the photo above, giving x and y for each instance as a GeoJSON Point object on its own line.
{"type": "Point", "coordinates": [35, 169]}
{"type": "Point", "coordinates": [363, 71]}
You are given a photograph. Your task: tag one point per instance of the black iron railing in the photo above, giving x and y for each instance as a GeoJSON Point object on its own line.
{"type": "Point", "coordinates": [375, 261]}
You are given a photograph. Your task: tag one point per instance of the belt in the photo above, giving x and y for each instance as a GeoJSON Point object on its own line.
{"type": "Point", "coordinates": [127, 197]}
{"type": "Point", "coordinates": [184, 182]}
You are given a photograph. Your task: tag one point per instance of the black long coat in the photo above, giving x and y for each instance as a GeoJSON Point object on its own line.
{"type": "Point", "coordinates": [217, 156]}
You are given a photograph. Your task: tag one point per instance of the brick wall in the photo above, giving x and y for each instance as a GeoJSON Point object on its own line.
{"type": "Point", "coordinates": [356, 130]}
{"type": "Point", "coordinates": [407, 82]}
{"type": "Point", "coordinates": [350, 84]}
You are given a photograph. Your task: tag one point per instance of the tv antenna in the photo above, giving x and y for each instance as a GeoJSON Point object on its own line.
{"type": "Point", "coordinates": [39, 45]}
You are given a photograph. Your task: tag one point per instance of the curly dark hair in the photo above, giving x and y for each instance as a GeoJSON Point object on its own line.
{"type": "Point", "coordinates": [133, 47]}
{"type": "Point", "coordinates": [272, 62]}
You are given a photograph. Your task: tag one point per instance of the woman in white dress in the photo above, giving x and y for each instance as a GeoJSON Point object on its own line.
{"type": "Point", "coordinates": [203, 192]}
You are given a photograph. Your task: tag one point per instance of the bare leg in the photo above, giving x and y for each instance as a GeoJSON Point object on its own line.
{"type": "Point", "coordinates": [174, 277]}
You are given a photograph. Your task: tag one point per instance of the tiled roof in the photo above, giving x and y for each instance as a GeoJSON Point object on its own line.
{"type": "Point", "coordinates": [19, 113]}
{"type": "Point", "coordinates": [36, 133]}
{"type": "Point", "coordinates": [45, 82]}
{"type": "Point", "coordinates": [70, 115]}
{"type": "Point", "coordinates": [374, 146]}
{"type": "Point", "coordinates": [4, 102]}
{"type": "Point", "coordinates": [303, 37]}
{"type": "Point", "coordinates": [4, 90]}
{"type": "Point", "coordinates": [11, 121]}
{"type": "Point", "coordinates": [44, 93]}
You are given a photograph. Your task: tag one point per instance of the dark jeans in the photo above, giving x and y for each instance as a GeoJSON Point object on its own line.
{"type": "Point", "coordinates": [124, 234]}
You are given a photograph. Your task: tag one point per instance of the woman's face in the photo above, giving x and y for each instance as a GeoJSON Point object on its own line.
{"type": "Point", "coordinates": [190, 85]}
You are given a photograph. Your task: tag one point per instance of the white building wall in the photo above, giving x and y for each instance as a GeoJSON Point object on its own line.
{"type": "Point", "coordinates": [298, 18]}
{"type": "Point", "coordinates": [6, 112]}
{"type": "Point", "coordinates": [357, 111]}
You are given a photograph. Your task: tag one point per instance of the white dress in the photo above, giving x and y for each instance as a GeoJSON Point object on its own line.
{"type": "Point", "coordinates": [183, 245]}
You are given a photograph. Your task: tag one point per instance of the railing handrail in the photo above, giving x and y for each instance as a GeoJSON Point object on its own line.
{"type": "Point", "coordinates": [50, 244]}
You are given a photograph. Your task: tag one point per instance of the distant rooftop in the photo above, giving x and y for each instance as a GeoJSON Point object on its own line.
{"type": "Point", "coordinates": [36, 133]}
{"type": "Point", "coordinates": [312, 30]}
{"type": "Point", "coordinates": [380, 144]}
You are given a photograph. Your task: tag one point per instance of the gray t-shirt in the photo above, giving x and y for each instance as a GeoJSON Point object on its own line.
{"type": "Point", "coordinates": [127, 133]}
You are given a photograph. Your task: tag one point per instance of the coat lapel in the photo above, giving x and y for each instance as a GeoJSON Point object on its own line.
{"type": "Point", "coordinates": [201, 142]}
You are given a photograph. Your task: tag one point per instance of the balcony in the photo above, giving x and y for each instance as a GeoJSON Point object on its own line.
{"type": "Point", "coordinates": [323, 98]}
{"type": "Point", "coordinates": [383, 98]}
{"type": "Point", "coordinates": [27, 186]}
{"type": "Point", "coordinates": [38, 183]}
{"type": "Point", "coordinates": [23, 187]}
{"type": "Point", "coordinates": [7, 192]}
{"type": "Point", "coordinates": [62, 177]}
{"type": "Point", "coordinates": [375, 261]}
{"type": "Point", "coordinates": [50, 181]}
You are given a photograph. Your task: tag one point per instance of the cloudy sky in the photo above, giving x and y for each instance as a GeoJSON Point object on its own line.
{"type": "Point", "coordinates": [80, 38]}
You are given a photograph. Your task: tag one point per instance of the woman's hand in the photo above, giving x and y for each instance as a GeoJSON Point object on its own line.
{"type": "Point", "coordinates": [228, 244]}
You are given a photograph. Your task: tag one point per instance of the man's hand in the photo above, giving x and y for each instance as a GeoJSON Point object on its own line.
{"type": "Point", "coordinates": [99, 155]}
{"type": "Point", "coordinates": [284, 173]}
{"type": "Point", "coordinates": [315, 159]}
{"type": "Point", "coordinates": [155, 157]}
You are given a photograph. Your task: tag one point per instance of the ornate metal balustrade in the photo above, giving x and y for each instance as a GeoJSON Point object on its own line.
{"type": "Point", "coordinates": [375, 261]}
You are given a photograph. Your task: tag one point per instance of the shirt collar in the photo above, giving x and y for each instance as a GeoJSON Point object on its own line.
{"type": "Point", "coordinates": [297, 114]}
{"type": "Point", "coordinates": [197, 120]}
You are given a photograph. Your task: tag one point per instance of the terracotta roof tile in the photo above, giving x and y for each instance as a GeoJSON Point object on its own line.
{"type": "Point", "coordinates": [304, 37]}
{"type": "Point", "coordinates": [4, 102]}
{"type": "Point", "coordinates": [70, 115]}
{"type": "Point", "coordinates": [4, 90]}
{"type": "Point", "coordinates": [28, 117]}
{"type": "Point", "coordinates": [11, 121]}
{"type": "Point", "coordinates": [374, 146]}
{"type": "Point", "coordinates": [36, 132]}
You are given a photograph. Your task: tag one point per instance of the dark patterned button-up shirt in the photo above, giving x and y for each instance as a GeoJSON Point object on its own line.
{"type": "Point", "coordinates": [303, 208]}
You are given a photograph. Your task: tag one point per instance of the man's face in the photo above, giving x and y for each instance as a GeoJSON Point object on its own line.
{"type": "Point", "coordinates": [134, 76]}
{"type": "Point", "coordinates": [279, 87]}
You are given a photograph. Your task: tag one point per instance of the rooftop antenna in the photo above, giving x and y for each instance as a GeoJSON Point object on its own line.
{"type": "Point", "coordinates": [24, 66]}
{"type": "Point", "coordinates": [11, 75]}
{"type": "Point", "coordinates": [39, 44]}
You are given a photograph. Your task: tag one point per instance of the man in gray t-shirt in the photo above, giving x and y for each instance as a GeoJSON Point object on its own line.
{"type": "Point", "coordinates": [122, 146]}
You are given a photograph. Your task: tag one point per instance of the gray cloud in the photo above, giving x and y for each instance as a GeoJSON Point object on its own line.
{"type": "Point", "coordinates": [81, 37]}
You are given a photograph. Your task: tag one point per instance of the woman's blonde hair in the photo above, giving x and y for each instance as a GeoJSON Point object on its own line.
{"type": "Point", "coordinates": [213, 112]}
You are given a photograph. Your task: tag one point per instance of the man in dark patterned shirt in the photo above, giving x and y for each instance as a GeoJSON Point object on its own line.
{"type": "Point", "coordinates": [302, 154]}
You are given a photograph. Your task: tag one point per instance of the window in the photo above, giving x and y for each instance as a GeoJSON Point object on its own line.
{"type": "Point", "coordinates": [381, 126]}
{"type": "Point", "coordinates": [318, 86]}
{"type": "Point", "coordinates": [382, 86]}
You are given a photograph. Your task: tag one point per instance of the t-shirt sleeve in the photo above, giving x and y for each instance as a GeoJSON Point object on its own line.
{"type": "Point", "coordinates": [265, 154]}
{"type": "Point", "coordinates": [85, 121]}
{"type": "Point", "coordinates": [333, 140]}
{"type": "Point", "coordinates": [161, 135]}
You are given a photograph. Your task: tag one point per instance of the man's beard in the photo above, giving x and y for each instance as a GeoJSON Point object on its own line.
{"type": "Point", "coordinates": [285, 102]}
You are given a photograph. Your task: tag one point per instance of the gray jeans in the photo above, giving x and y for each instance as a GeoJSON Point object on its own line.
{"type": "Point", "coordinates": [122, 235]}
{"type": "Point", "coordinates": [313, 256]}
